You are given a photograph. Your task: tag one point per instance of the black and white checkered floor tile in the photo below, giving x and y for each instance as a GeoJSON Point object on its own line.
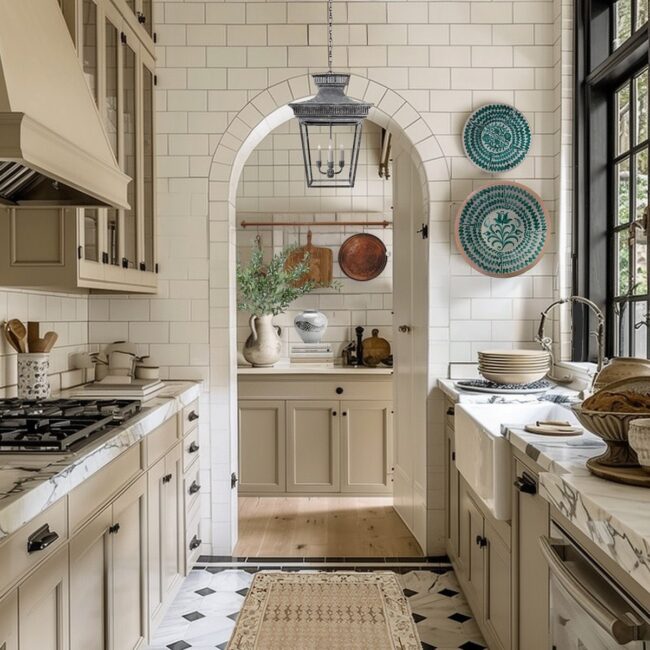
{"type": "Point", "coordinates": [203, 615]}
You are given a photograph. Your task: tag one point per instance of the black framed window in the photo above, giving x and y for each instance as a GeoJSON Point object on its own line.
{"type": "Point", "coordinates": [611, 175]}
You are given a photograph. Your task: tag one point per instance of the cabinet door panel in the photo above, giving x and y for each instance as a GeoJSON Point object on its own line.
{"type": "Point", "coordinates": [366, 446]}
{"type": "Point", "coordinates": [452, 495]}
{"type": "Point", "coordinates": [313, 445]}
{"type": "Point", "coordinates": [9, 622]}
{"type": "Point", "coordinates": [89, 584]}
{"type": "Point", "coordinates": [43, 606]}
{"type": "Point", "coordinates": [155, 517]}
{"type": "Point", "coordinates": [531, 521]}
{"type": "Point", "coordinates": [262, 449]}
{"type": "Point", "coordinates": [128, 562]}
{"type": "Point", "coordinates": [171, 531]}
{"type": "Point", "coordinates": [473, 530]}
{"type": "Point", "coordinates": [498, 602]}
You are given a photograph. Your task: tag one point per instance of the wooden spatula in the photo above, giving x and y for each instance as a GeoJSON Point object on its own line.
{"type": "Point", "coordinates": [17, 328]}
{"type": "Point", "coordinates": [33, 333]}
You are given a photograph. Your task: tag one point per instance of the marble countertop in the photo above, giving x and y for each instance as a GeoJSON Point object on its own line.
{"type": "Point", "coordinates": [30, 483]}
{"type": "Point", "coordinates": [614, 516]}
{"type": "Point", "coordinates": [285, 368]}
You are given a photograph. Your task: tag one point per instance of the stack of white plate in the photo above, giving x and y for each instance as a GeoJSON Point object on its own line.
{"type": "Point", "coordinates": [513, 366]}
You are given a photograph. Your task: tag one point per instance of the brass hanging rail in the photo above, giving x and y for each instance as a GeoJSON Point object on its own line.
{"type": "Point", "coordinates": [312, 224]}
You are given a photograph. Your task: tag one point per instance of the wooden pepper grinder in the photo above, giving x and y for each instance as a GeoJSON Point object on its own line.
{"type": "Point", "coordinates": [359, 359]}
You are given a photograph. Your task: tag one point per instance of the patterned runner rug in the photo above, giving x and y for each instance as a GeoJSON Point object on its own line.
{"type": "Point", "coordinates": [323, 611]}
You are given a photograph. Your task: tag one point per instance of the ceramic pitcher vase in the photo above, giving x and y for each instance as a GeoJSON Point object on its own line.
{"type": "Point", "coordinates": [263, 347]}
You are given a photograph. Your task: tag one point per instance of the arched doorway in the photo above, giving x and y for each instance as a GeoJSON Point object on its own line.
{"type": "Point", "coordinates": [426, 169]}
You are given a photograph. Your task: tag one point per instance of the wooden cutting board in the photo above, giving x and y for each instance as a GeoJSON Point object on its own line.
{"type": "Point", "coordinates": [320, 262]}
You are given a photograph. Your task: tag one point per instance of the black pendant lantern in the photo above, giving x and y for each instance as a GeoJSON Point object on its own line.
{"type": "Point", "coordinates": [330, 127]}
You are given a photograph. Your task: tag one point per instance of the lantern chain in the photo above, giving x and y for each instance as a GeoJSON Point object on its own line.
{"type": "Point", "coordinates": [330, 40]}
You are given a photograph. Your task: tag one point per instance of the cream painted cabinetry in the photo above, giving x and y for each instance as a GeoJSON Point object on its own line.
{"type": "Point", "coordinates": [451, 486]}
{"type": "Point", "coordinates": [262, 434]}
{"type": "Point", "coordinates": [530, 521]}
{"type": "Point", "coordinates": [43, 621]}
{"type": "Point", "coordinates": [9, 621]}
{"type": "Point", "coordinates": [166, 521]}
{"type": "Point", "coordinates": [99, 248]}
{"type": "Point", "coordinates": [303, 434]}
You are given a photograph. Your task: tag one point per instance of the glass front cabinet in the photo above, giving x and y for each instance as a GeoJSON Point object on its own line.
{"type": "Point", "coordinates": [103, 248]}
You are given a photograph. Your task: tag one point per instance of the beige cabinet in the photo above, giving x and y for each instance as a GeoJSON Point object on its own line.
{"type": "Point", "coordinates": [90, 584]}
{"type": "Point", "coordinates": [9, 621]}
{"type": "Point", "coordinates": [129, 549]}
{"type": "Point", "coordinates": [315, 434]}
{"type": "Point", "coordinates": [99, 248]}
{"type": "Point", "coordinates": [366, 446]}
{"type": "Point", "coordinates": [165, 527]}
{"type": "Point", "coordinates": [484, 571]}
{"type": "Point", "coordinates": [313, 446]}
{"type": "Point", "coordinates": [262, 450]}
{"type": "Point", "coordinates": [452, 493]}
{"type": "Point", "coordinates": [43, 621]}
{"type": "Point", "coordinates": [530, 522]}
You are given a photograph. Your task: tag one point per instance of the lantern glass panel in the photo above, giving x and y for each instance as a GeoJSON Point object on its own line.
{"type": "Point", "coordinates": [331, 152]}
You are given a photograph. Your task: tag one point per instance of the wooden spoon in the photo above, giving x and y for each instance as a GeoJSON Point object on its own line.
{"type": "Point", "coordinates": [50, 339]}
{"type": "Point", "coordinates": [11, 339]}
{"type": "Point", "coordinates": [17, 328]}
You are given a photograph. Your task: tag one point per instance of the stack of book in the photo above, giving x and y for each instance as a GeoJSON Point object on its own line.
{"type": "Point", "coordinates": [311, 353]}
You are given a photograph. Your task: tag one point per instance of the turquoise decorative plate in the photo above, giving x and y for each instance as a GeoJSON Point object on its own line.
{"type": "Point", "coordinates": [501, 229]}
{"type": "Point", "coordinates": [496, 137]}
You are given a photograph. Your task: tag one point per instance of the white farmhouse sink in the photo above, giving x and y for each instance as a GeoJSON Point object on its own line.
{"type": "Point", "coordinates": [483, 454]}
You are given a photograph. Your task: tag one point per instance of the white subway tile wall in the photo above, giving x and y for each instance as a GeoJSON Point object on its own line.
{"type": "Point", "coordinates": [441, 60]}
{"type": "Point", "coordinates": [65, 314]}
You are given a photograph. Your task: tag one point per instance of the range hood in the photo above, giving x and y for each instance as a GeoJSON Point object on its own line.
{"type": "Point", "coordinates": [53, 147]}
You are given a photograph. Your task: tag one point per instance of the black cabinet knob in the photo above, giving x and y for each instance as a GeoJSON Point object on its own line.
{"type": "Point", "coordinates": [194, 488]}
{"type": "Point", "coordinates": [193, 416]}
{"type": "Point", "coordinates": [481, 541]}
{"type": "Point", "coordinates": [115, 528]}
{"type": "Point", "coordinates": [339, 390]}
{"type": "Point", "coordinates": [334, 413]}
{"type": "Point", "coordinates": [345, 413]}
{"type": "Point", "coordinates": [195, 542]}
{"type": "Point", "coordinates": [193, 448]}
{"type": "Point", "coordinates": [41, 539]}
{"type": "Point", "coordinates": [167, 478]}
{"type": "Point", "coordinates": [451, 411]}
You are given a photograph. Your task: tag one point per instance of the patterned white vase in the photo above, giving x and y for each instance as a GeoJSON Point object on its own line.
{"type": "Point", "coordinates": [310, 325]}
{"type": "Point", "coordinates": [33, 376]}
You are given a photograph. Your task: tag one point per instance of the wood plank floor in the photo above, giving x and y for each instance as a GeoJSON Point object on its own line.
{"type": "Point", "coordinates": [322, 527]}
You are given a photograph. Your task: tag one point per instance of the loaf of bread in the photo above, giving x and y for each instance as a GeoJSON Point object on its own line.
{"type": "Point", "coordinates": [618, 402]}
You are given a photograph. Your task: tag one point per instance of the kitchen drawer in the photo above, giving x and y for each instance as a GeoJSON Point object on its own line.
{"type": "Point", "coordinates": [363, 388]}
{"type": "Point", "coordinates": [99, 489]}
{"type": "Point", "coordinates": [159, 441]}
{"type": "Point", "coordinates": [15, 560]}
{"type": "Point", "coordinates": [191, 487]}
{"type": "Point", "coordinates": [190, 417]}
{"type": "Point", "coordinates": [192, 536]}
{"type": "Point", "coordinates": [190, 448]}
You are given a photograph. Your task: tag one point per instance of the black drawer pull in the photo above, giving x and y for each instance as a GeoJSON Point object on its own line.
{"type": "Point", "coordinates": [193, 448]}
{"type": "Point", "coordinates": [166, 478]}
{"type": "Point", "coordinates": [194, 488]}
{"type": "Point", "coordinates": [481, 541]}
{"type": "Point", "coordinates": [525, 484]}
{"type": "Point", "coordinates": [195, 543]}
{"type": "Point", "coordinates": [41, 539]}
{"type": "Point", "coordinates": [193, 416]}
{"type": "Point", "coordinates": [115, 528]}
{"type": "Point", "coordinates": [451, 411]}
{"type": "Point", "coordinates": [339, 390]}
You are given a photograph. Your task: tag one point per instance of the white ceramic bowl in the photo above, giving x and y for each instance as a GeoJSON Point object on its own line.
{"type": "Point", "coordinates": [638, 435]}
{"type": "Point", "coordinates": [514, 377]}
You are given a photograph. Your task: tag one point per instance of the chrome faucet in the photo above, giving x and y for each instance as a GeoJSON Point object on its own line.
{"type": "Point", "coordinates": [546, 341]}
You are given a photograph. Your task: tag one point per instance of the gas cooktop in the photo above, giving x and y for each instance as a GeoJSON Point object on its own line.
{"type": "Point", "coordinates": [60, 425]}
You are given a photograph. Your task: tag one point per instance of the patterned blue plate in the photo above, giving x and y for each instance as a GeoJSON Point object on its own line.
{"type": "Point", "coordinates": [496, 138]}
{"type": "Point", "coordinates": [501, 229]}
